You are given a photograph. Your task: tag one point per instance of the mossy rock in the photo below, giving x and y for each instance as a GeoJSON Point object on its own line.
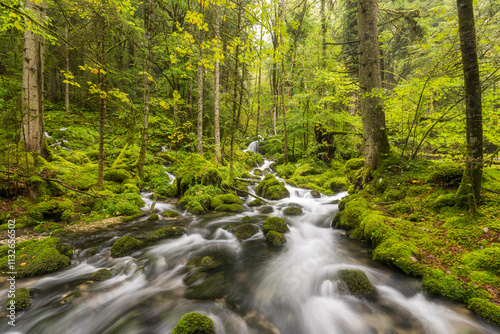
{"type": "Point", "coordinates": [256, 202]}
{"type": "Point", "coordinates": [225, 199]}
{"type": "Point", "coordinates": [36, 257]}
{"type": "Point", "coordinates": [125, 246]}
{"type": "Point", "coordinates": [198, 199]}
{"type": "Point", "coordinates": [194, 323]}
{"type": "Point", "coordinates": [197, 170]}
{"type": "Point", "coordinates": [484, 259]}
{"type": "Point", "coordinates": [117, 175]}
{"type": "Point", "coordinates": [70, 298]}
{"type": "Point", "coordinates": [59, 232]}
{"type": "Point", "coordinates": [357, 283]}
{"type": "Point", "coordinates": [337, 184]}
{"type": "Point", "coordinates": [254, 160]}
{"type": "Point", "coordinates": [266, 209]}
{"type": "Point", "coordinates": [270, 188]}
{"type": "Point", "coordinates": [275, 238]}
{"type": "Point", "coordinates": [47, 227]}
{"type": "Point", "coordinates": [307, 170]}
{"type": "Point", "coordinates": [485, 309]}
{"type": "Point", "coordinates": [233, 208]}
{"type": "Point", "coordinates": [354, 164]}
{"type": "Point", "coordinates": [258, 172]}
{"type": "Point", "coordinates": [355, 209]}
{"type": "Point", "coordinates": [444, 200]}
{"type": "Point", "coordinates": [167, 232]}
{"type": "Point", "coordinates": [246, 219]}
{"type": "Point", "coordinates": [275, 224]}
{"type": "Point", "coordinates": [101, 275]}
{"type": "Point", "coordinates": [52, 210]}
{"type": "Point", "coordinates": [21, 300]}
{"type": "Point", "coordinates": [213, 287]}
{"type": "Point", "coordinates": [292, 211]}
{"type": "Point", "coordinates": [315, 194]}
{"type": "Point", "coordinates": [245, 231]}
{"type": "Point", "coordinates": [153, 217]}
{"type": "Point", "coordinates": [447, 175]}
{"type": "Point", "coordinates": [170, 214]}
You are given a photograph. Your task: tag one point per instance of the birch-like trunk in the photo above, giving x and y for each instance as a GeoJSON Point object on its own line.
{"type": "Point", "coordinates": [218, 157]}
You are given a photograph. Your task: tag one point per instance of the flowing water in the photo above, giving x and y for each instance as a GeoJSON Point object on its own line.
{"type": "Point", "coordinates": [267, 290]}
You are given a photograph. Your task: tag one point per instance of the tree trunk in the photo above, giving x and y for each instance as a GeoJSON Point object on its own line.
{"type": "Point", "coordinates": [217, 88]}
{"type": "Point", "coordinates": [235, 96]}
{"type": "Point", "coordinates": [375, 139]}
{"type": "Point", "coordinates": [473, 110]}
{"type": "Point", "coordinates": [148, 19]}
{"type": "Point", "coordinates": [283, 80]}
{"type": "Point", "coordinates": [259, 84]}
{"type": "Point", "coordinates": [102, 104]}
{"type": "Point", "coordinates": [66, 53]}
{"type": "Point", "coordinates": [200, 89]}
{"type": "Point", "coordinates": [323, 34]}
{"type": "Point", "coordinates": [32, 97]}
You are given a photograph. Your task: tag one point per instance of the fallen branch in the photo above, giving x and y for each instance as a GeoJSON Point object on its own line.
{"type": "Point", "coordinates": [56, 181]}
{"type": "Point", "coordinates": [246, 192]}
{"type": "Point", "coordinates": [491, 191]}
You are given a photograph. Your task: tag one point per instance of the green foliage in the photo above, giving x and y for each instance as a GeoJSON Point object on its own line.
{"type": "Point", "coordinates": [254, 159]}
{"type": "Point", "coordinates": [197, 199]}
{"type": "Point", "coordinates": [167, 232]}
{"type": "Point", "coordinates": [195, 170]}
{"type": "Point", "coordinates": [125, 246]}
{"type": "Point", "coordinates": [245, 231]}
{"type": "Point", "coordinates": [117, 175]}
{"type": "Point", "coordinates": [275, 224]}
{"type": "Point", "coordinates": [356, 282]}
{"type": "Point", "coordinates": [100, 275]}
{"type": "Point", "coordinates": [35, 258]}
{"type": "Point", "coordinates": [155, 178]}
{"type": "Point", "coordinates": [271, 188]}
{"type": "Point", "coordinates": [275, 238]}
{"type": "Point", "coordinates": [485, 309]}
{"type": "Point", "coordinates": [21, 299]}
{"type": "Point", "coordinates": [354, 164]}
{"type": "Point", "coordinates": [194, 323]}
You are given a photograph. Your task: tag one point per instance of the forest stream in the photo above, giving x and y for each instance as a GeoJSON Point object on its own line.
{"type": "Point", "coordinates": [266, 289]}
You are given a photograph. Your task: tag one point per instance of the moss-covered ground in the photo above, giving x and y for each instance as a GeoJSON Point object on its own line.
{"type": "Point", "coordinates": [411, 215]}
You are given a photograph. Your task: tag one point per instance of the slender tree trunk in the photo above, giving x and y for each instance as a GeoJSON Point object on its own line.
{"type": "Point", "coordinates": [32, 97]}
{"type": "Point", "coordinates": [283, 80]}
{"type": "Point", "coordinates": [200, 88]}
{"type": "Point", "coordinates": [473, 110]}
{"type": "Point", "coordinates": [275, 98]}
{"type": "Point", "coordinates": [235, 96]}
{"type": "Point", "coordinates": [102, 104]}
{"type": "Point", "coordinates": [148, 19]}
{"type": "Point", "coordinates": [259, 84]}
{"type": "Point", "coordinates": [323, 34]}
{"type": "Point", "coordinates": [374, 132]}
{"type": "Point", "coordinates": [66, 54]}
{"type": "Point", "coordinates": [217, 88]}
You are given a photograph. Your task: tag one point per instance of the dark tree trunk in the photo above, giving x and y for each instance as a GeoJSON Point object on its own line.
{"type": "Point", "coordinates": [102, 104]}
{"type": "Point", "coordinates": [473, 110]}
{"type": "Point", "coordinates": [375, 139]}
{"type": "Point", "coordinates": [200, 89]}
{"type": "Point", "coordinates": [218, 157]}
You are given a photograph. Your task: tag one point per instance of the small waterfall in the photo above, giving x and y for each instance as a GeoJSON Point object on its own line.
{"type": "Point", "coordinates": [253, 147]}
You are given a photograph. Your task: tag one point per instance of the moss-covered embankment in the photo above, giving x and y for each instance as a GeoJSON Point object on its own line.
{"type": "Point", "coordinates": [413, 215]}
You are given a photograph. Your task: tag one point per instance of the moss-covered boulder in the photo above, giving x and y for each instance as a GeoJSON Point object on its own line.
{"type": "Point", "coordinates": [275, 238]}
{"type": "Point", "coordinates": [198, 199]}
{"type": "Point", "coordinates": [315, 194]}
{"type": "Point", "coordinates": [444, 200]}
{"type": "Point", "coordinates": [36, 257]}
{"type": "Point", "coordinates": [194, 323]}
{"type": "Point", "coordinates": [153, 217]}
{"type": "Point", "coordinates": [275, 224]}
{"type": "Point", "coordinates": [266, 209]}
{"type": "Point", "coordinates": [245, 231]}
{"type": "Point", "coordinates": [51, 210]}
{"type": "Point", "coordinates": [256, 202]}
{"type": "Point", "coordinates": [212, 287]}
{"type": "Point", "coordinates": [197, 170]}
{"type": "Point", "coordinates": [354, 164]}
{"type": "Point", "coordinates": [356, 282]}
{"type": "Point", "coordinates": [167, 232]}
{"type": "Point", "coordinates": [254, 159]}
{"type": "Point", "coordinates": [117, 175]}
{"type": "Point", "coordinates": [292, 211]}
{"type": "Point", "coordinates": [101, 275]}
{"type": "Point", "coordinates": [258, 172]}
{"type": "Point", "coordinates": [271, 188]}
{"type": "Point", "coordinates": [20, 300]}
{"type": "Point", "coordinates": [170, 214]}
{"type": "Point", "coordinates": [125, 246]}
{"type": "Point", "coordinates": [225, 199]}
{"type": "Point", "coordinates": [485, 309]}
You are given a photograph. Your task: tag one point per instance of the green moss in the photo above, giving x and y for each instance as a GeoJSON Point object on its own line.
{"type": "Point", "coordinates": [167, 232]}
{"type": "Point", "coordinates": [315, 194]}
{"type": "Point", "coordinates": [355, 209]}
{"type": "Point", "coordinates": [485, 309]}
{"type": "Point", "coordinates": [392, 195]}
{"type": "Point", "coordinates": [285, 171]}
{"type": "Point", "coordinates": [47, 227]}
{"type": "Point", "coordinates": [441, 284]}
{"type": "Point", "coordinates": [235, 208]}
{"type": "Point", "coordinates": [271, 188]}
{"type": "Point", "coordinates": [35, 257]}
{"type": "Point", "coordinates": [275, 238]}
{"type": "Point", "coordinates": [246, 231]}
{"type": "Point", "coordinates": [447, 174]}
{"type": "Point", "coordinates": [397, 253]}
{"type": "Point", "coordinates": [355, 164]}
{"type": "Point", "coordinates": [153, 217]}
{"type": "Point", "coordinates": [254, 160]}
{"type": "Point", "coordinates": [197, 200]}
{"type": "Point", "coordinates": [197, 170]}
{"type": "Point", "coordinates": [213, 287]}
{"type": "Point", "coordinates": [256, 202]}
{"type": "Point", "coordinates": [356, 282]}
{"type": "Point", "coordinates": [101, 275]}
{"type": "Point", "coordinates": [59, 232]}
{"type": "Point", "coordinates": [292, 211]}
{"type": "Point", "coordinates": [21, 299]}
{"type": "Point", "coordinates": [374, 229]}
{"type": "Point", "coordinates": [170, 214]}
{"type": "Point", "coordinates": [52, 209]}
{"type": "Point", "coordinates": [117, 175]}
{"type": "Point", "coordinates": [275, 224]}
{"type": "Point", "coordinates": [125, 246]}
{"type": "Point", "coordinates": [266, 209]}
{"type": "Point", "coordinates": [194, 323]}
{"type": "Point", "coordinates": [484, 259]}
{"type": "Point", "coordinates": [337, 184]}
{"type": "Point", "coordinates": [444, 200]}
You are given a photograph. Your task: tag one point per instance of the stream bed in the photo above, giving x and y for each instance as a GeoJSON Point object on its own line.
{"type": "Point", "coordinates": [288, 290]}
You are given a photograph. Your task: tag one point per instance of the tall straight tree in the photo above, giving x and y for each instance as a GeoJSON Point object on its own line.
{"type": "Point", "coordinates": [33, 132]}
{"type": "Point", "coordinates": [200, 86]}
{"type": "Point", "coordinates": [217, 88]}
{"type": "Point", "coordinates": [102, 98]}
{"type": "Point", "coordinates": [473, 108]}
{"type": "Point", "coordinates": [375, 140]}
{"type": "Point", "coordinates": [148, 34]}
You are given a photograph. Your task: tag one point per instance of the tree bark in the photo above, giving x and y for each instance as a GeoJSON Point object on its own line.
{"type": "Point", "coordinates": [375, 140]}
{"type": "Point", "coordinates": [102, 104]}
{"type": "Point", "coordinates": [283, 80]}
{"type": "Point", "coordinates": [473, 108]}
{"type": "Point", "coordinates": [148, 19]}
{"type": "Point", "coordinates": [217, 89]}
{"type": "Point", "coordinates": [200, 88]}
{"type": "Point", "coordinates": [66, 53]}
{"type": "Point", "coordinates": [323, 34]}
{"type": "Point", "coordinates": [235, 96]}
{"type": "Point", "coordinates": [259, 84]}
{"type": "Point", "coordinates": [32, 85]}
